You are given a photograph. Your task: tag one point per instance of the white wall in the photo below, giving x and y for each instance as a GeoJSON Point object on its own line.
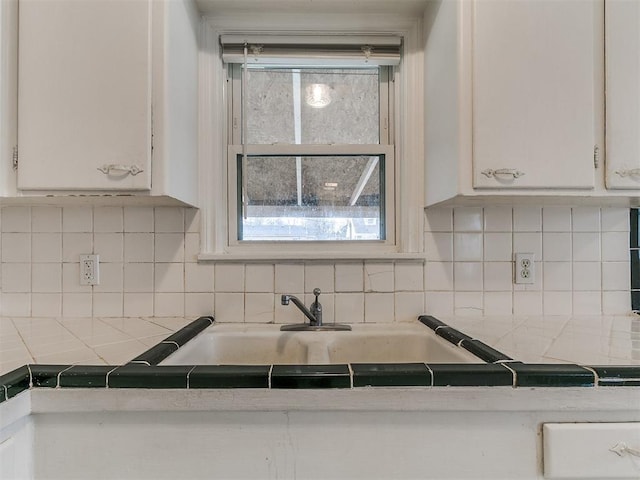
{"type": "Point", "coordinates": [148, 267]}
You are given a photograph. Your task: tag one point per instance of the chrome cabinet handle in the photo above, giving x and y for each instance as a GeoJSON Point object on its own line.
{"type": "Point", "coordinates": [634, 172]}
{"type": "Point", "coordinates": [114, 167]}
{"type": "Point", "coordinates": [512, 172]}
{"type": "Point", "coordinates": [621, 449]}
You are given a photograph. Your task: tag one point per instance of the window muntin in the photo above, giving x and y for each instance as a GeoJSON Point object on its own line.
{"type": "Point", "coordinates": [290, 139]}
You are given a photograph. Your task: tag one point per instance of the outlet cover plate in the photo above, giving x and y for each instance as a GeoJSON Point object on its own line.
{"type": "Point", "coordinates": [525, 268]}
{"type": "Point", "coordinates": [89, 269]}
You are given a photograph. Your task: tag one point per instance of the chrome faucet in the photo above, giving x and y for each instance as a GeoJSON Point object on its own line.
{"type": "Point", "coordinates": [314, 313]}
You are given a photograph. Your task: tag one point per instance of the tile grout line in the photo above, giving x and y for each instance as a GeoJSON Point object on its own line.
{"type": "Point", "coordinates": [596, 377]}
{"type": "Point", "coordinates": [433, 377]}
{"type": "Point", "coordinates": [106, 378]}
{"type": "Point", "coordinates": [514, 375]}
{"type": "Point", "coordinates": [60, 373]}
{"type": "Point", "coordinates": [188, 375]}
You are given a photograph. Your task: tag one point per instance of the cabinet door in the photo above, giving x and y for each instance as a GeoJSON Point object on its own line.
{"type": "Point", "coordinates": [535, 66]}
{"type": "Point", "coordinates": [622, 32]}
{"type": "Point", "coordinates": [84, 101]}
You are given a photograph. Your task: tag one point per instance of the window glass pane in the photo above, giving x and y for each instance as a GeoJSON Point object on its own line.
{"type": "Point", "coordinates": [314, 198]}
{"type": "Point", "coordinates": [313, 106]}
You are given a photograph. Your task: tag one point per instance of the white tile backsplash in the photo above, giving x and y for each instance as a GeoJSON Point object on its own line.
{"type": "Point", "coordinates": [557, 276]}
{"type": "Point", "coordinates": [288, 278]}
{"type": "Point", "coordinates": [586, 219]}
{"type": "Point", "coordinates": [467, 219]}
{"type": "Point", "coordinates": [16, 247]}
{"type": "Point", "coordinates": [168, 220]}
{"type": "Point", "coordinates": [46, 219]}
{"type": "Point", "coordinates": [556, 219]}
{"type": "Point", "coordinates": [16, 219]}
{"type": "Point", "coordinates": [498, 219]}
{"type": "Point", "coordinates": [319, 276]}
{"type": "Point", "coordinates": [76, 244]}
{"type": "Point", "coordinates": [527, 219]}
{"type": "Point", "coordinates": [438, 246]}
{"type": "Point", "coordinates": [229, 278]}
{"type": "Point", "coordinates": [586, 246]}
{"type": "Point", "coordinates": [77, 219]}
{"type": "Point", "coordinates": [149, 267]}
{"type": "Point", "coordinates": [467, 247]}
{"type": "Point", "coordinates": [169, 247]}
{"type": "Point", "coordinates": [556, 247]}
{"type": "Point", "coordinates": [46, 247]}
{"type": "Point", "coordinates": [349, 277]}
{"type": "Point", "coordinates": [497, 247]}
{"type": "Point", "coordinates": [378, 307]}
{"type": "Point", "coordinates": [109, 246]}
{"type": "Point", "coordinates": [259, 278]}
{"type": "Point", "coordinates": [378, 277]}
{"type": "Point", "coordinates": [138, 219]}
{"type": "Point", "coordinates": [108, 219]}
{"type": "Point", "coordinates": [615, 246]}
{"type": "Point", "coordinates": [409, 277]}
{"type": "Point", "coordinates": [46, 277]}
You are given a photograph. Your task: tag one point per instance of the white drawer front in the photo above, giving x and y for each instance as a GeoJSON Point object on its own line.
{"type": "Point", "coordinates": [591, 450]}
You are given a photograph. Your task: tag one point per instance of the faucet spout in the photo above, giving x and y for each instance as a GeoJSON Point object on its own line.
{"type": "Point", "coordinates": [296, 301]}
{"type": "Point", "coordinates": [313, 313]}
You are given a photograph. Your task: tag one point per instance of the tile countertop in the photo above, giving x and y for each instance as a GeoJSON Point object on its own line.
{"type": "Point", "coordinates": [582, 340]}
{"type": "Point", "coordinates": [87, 341]}
{"type": "Point", "coordinates": [594, 340]}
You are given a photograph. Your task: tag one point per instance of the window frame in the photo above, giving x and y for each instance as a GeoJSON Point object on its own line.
{"type": "Point", "coordinates": [408, 122]}
{"type": "Point", "coordinates": [301, 151]}
{"type": "Point", "coordinates": [385, 147]}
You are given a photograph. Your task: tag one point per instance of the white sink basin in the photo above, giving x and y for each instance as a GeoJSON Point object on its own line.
{"type": "Point", "coordinates": [232, 344]}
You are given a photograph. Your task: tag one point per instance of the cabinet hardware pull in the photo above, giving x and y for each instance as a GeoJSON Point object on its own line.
{"type": "Point", "coordinates": [634, 172]}
{"type": "Point", "coordinates": [502, 171]}
{"type": "Point", "coordinates": [621, 449]}
{"type": "Point", "coordinates": [132, 169]}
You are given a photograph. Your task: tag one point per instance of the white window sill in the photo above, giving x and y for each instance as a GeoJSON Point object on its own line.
{"type": "Point", "coordinates": [317, 257]}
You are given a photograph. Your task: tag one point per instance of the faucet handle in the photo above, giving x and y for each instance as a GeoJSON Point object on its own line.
{"type": "Point", "coordinates": [316, 292]}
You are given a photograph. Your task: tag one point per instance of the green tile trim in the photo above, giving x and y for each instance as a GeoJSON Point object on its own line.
{"type": "Point", "coordinates": [470, 375]}
{"type": "Point", "coordinates": [551, 375]}
{"type": "Point", "coordinates": [310, 376]}
{"type": "Point", "coordinates": [156, 354]}
{"type": "Point", "coordinates": [85, 376]}
{"type": "Point", "coordinates": [190, 331]}
{"type": "Point", "coordinates": [16, 381]}
{"type": "Point", "coordinates": [432, 322]}
{"type": "Point", "coordinates": [484, 351]}
{"type": "Point", "coordinates": [617, 375]}
{"type": "Point", "coordinates": [451, 335]}
{"type": "Point", "coordinates": [46, 375]}
{"type": "Point", "coordinates": [229, 376]}
{"type": "Point", "coordinates": [391, 375]}
{"type": "Point", "coordinates": [141, 376]}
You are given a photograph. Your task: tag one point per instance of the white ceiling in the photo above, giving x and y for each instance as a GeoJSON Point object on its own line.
{"type": "Point", "coordinates": [412, 7]}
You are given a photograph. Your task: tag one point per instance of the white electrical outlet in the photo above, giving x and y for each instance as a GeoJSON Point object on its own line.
{"type": "Point", "coordinates": [89, 269]}
{"type": "Point", "coordinates": [525, 268]}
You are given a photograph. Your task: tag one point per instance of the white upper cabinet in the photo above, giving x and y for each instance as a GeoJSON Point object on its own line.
{"type": "Point", "coordinates": [622, 32]}
{"type": "Point", "coordinates": [514, 99]}
{"type": "Point", "coordinates": [84, 95]}
{"type": "Point", "coordinates": [533, 93]}
{"type": "Point", "coordinates": [108, 97]}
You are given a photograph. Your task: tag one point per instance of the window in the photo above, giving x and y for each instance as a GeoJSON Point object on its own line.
{"type": "Point", "coordinates": [361, 191]}
{"type": "Point", "coordinates": [310, 156]}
